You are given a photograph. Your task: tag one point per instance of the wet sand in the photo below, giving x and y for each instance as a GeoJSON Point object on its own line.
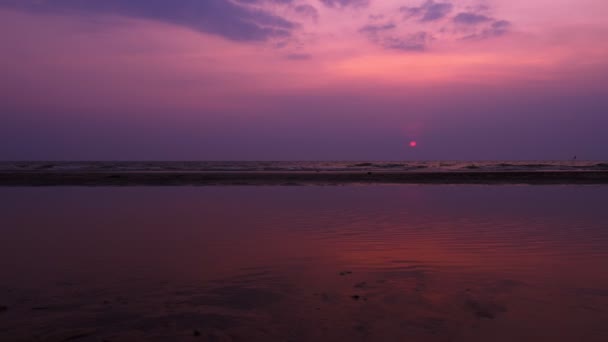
{"type": "Point", "coordinates": [59, 178]}
{"type": "Point", "coordinates": [372, 263]}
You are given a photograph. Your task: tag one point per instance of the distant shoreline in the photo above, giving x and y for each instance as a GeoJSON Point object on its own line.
{"type": "Point", "coordinates": [286, 178]}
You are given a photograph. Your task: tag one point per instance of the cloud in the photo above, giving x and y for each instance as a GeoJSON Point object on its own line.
{"type": "Point", "coordinates": [384, 36]}
{"type": "Point", "coordinates": [428, 11]}
{"type": "Point", "coordinates": [220, 17]}
{"type": "Point", "coordinates": [500, 27]}
{"type": "Point", "coordinates": [345, 3]}
{"type": "Point", "coordinates": [307, 11]}
{"type": "Point", "coordinates": [469, 18]}
{"type": "Point", "coordinates": [496, 29]}
{"type": "Point", "coordinates": [412, 42]}
{"type": "Point", "coordinates": [375, 29]}
{"type": "Point", "coordinates": [376, 16]}
{"type": "Point", "coordinates": [472, 23]}
{"type": "Point", "coordinates": [480, 26]}
{"type": "Point", "coordinates": [299, 56]}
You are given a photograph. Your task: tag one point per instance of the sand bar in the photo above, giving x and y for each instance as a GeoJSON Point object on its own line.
{"type": "Point", "coordinates": [296, 178]}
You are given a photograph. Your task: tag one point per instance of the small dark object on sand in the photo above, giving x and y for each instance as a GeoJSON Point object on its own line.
{"type": "Point", "coordinates": [355, 297]}
{"type": "Point", "coordinates": [369, 173]}
{"type": "Point", "coordinates": [76, 337]}
{"type": "Point", "coordinates": [360, 328]}
{"type": "Point", "coordinates": [343, 273]}
{"type": "Point", "coordinates": [484, 314]}
{"type": "Point", "coordinates": [485, 310]}
{"type": "Point", "coordinates": [196, 333]}
{"type": "Point", "coordinates": [3, 308]}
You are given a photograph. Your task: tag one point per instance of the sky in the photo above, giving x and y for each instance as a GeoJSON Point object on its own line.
{"type": "Point", "coordinates": [303, 79]}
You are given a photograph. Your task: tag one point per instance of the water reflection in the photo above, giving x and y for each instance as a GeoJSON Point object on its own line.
{"type": "Point", "coordinates": [383, 263]}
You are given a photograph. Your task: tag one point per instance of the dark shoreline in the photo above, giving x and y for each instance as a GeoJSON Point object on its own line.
{"type": "Point", "coordinates": [297, 178]}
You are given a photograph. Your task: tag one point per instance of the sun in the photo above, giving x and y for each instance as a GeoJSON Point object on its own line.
{"type": "Point", "coordinates": [413, 143]}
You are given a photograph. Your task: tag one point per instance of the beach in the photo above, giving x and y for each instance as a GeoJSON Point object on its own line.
{"type": "Point", "coordinates": [303, 171]}
{"type": "Point", "coordinates": [300, 173]}
{"type": "Point", "coordinates": [168, 178]}
{"type": "Point", "coordinates": [272, 263]}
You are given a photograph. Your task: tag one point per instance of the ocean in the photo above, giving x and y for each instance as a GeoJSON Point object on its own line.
{"type": "Point", "coordinates": [219, 166]}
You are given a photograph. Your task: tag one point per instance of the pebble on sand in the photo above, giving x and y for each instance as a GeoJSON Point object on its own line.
{"type": "Point", "coordinates": [485, 310]}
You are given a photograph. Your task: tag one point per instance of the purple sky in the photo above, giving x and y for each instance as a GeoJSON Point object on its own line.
{"type": "Point", "coordinates": [303, 79]}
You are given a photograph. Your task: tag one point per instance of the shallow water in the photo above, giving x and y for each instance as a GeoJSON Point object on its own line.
{"type": "Point", "coordinates": [352, 263]}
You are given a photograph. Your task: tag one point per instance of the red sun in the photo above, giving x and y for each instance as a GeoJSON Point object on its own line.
{"type": "Point", "coordinates": [413, 143]}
